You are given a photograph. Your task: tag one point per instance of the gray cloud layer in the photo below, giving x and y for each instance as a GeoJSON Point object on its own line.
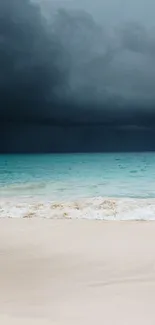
{"type": "Point", "coordinates": [70, 63]}
{"type": "Point", "coordinates": [62, 64]}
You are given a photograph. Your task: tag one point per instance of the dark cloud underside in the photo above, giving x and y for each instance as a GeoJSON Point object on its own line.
{"type": "Point", "coordinates": [66, 76]}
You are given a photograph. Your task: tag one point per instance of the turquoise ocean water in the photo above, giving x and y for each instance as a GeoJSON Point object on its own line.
{"type": "Point", "coordinates": [78, 175]}
{"type": "Point", "coordinates": [75, 177]}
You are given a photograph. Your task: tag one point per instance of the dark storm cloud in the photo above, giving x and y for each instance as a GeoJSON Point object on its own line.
{"type": "Point", "coordinates": [29, 61]}
{"type": "Point", "coordinates": [73, 65]}
{"type": "Point", "coordinates": [65, 67]}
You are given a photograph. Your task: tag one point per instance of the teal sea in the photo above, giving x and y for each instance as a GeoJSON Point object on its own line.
{"type": "Point", "coordinates": [77, 177]}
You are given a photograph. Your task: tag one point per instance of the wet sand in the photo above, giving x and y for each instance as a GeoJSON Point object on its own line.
{"type": "Point", "coordinates": [76, 272]}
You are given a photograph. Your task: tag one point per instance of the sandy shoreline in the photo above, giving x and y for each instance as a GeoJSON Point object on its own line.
{"type": "Point", "coordinates": [76, 272]}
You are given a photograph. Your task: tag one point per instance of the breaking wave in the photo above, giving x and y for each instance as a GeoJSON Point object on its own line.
{"type": "Point", "coordinates": [100, 208]}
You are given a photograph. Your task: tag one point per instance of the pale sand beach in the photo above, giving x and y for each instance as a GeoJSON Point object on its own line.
{"type": "Point", "coordinates": [76, 272]}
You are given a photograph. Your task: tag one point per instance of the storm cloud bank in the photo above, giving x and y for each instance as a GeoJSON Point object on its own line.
{"type": "Point", "coordinates": [63, 68]}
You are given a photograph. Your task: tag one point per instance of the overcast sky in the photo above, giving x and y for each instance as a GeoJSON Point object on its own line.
{"type": "Point", "coordinates": [77, 64]}
{"type": "Point", "coordinates": [111, 11]}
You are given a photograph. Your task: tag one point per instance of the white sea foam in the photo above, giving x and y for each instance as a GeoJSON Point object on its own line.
{"type": "Point", "coordinates": [100, 208]}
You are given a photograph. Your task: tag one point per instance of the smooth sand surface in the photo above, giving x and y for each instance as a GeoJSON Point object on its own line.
{"type": "Point", "coordinates": [76, 272]}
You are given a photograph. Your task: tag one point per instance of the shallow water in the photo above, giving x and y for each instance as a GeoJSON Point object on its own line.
{"type": "Point", "coordinates": [89, 179]}
{"type": "Point", "coordinates": [78, 175]}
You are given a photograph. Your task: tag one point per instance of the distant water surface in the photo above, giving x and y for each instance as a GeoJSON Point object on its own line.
{"type": "Point", "coordinates": [72, 177]}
